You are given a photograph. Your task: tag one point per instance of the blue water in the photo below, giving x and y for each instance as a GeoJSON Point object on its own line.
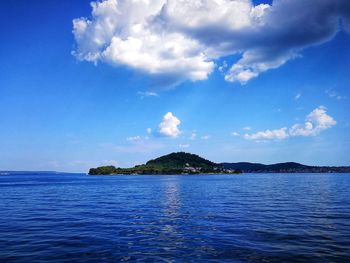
{"type": "Point", "coordinates": [217, 218]}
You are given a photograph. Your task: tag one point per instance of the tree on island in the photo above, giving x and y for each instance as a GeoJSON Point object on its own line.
{"type": "Point", "coordinates": [174, 163]}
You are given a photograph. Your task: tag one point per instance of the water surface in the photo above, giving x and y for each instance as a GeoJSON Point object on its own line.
{"type": "Point", "coordinates": [199, 218]}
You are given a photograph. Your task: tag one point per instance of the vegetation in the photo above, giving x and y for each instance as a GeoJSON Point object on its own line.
{"type": "Point", "coordinates": [174, 163]}
{"type": "Point", "coordinates": [103, 170]}
{"type": "Point", "coordinates": [180, 160]}
{"type": "Point", "coordinates": [289, 167]}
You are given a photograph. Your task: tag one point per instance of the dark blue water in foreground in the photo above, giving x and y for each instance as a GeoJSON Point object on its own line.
{"type": "Point", "coordinates": [232, 218]}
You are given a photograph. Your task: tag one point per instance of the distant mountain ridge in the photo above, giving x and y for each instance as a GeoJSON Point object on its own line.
{"type": "Point", "coordinates": [288, 167]}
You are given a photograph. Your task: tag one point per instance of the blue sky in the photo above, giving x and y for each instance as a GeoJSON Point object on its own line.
{"type": "Point", "coordinates": [269, 95]}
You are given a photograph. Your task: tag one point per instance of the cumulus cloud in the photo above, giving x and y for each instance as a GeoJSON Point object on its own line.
{"type": "Point", "coordinates": [279, 134]}
{"type": "Point", "coordinates": [120, 32]}
{"type": "Point", "coordinates": [182, 39]}
{"type": "Point", "coordinates": [205, 137]}
{"type": "Point", "coordinates": [169, 126]}
{"type": "Point", "coordinates": [235, 133]}
{"type": "Point", "coordinates": [184, 146]}
{"type": "Point", "coordinates": [315, 122]}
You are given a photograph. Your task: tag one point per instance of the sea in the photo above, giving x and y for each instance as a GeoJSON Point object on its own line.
{"type": "Point", "coordinates": [175, 218]}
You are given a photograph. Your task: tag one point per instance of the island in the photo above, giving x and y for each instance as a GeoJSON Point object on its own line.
{"type": "Point", "coordinates": [187, 163]}
{"type": "Point", "coordinates": [174, 163]}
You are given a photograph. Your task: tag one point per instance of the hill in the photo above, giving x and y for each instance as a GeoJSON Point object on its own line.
{"type": "Point", "coordinates": [187, 163]}
{"type": "Point", "coordinates": [289, 167]}
{"type": "Point", "coordinates": [181, 160]}
{"type": "Point", "coordinates": [174, 163]}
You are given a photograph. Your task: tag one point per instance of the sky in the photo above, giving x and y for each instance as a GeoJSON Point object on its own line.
{"type": "Point", "coordinates": [114, 82]}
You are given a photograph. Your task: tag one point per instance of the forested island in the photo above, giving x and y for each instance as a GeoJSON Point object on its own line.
{"type": "Point", "coordinates": [174, 163]}
{"type": "Point", "coordinates": [187, 163]}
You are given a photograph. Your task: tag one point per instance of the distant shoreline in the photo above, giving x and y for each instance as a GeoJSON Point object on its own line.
{"type": "Point", "coordinates": [10, 173]}
{"type": "Point", "coordinates": [187, 163]}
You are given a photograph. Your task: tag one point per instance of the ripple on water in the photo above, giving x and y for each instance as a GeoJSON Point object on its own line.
{"type": "Point", "coordinates": [250, 218]}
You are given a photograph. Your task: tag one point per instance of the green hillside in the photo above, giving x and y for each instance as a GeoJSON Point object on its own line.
{"type": "Point", "coordinates": [181, 160]}
{"type": "Point", "coordinates": [174, 163]}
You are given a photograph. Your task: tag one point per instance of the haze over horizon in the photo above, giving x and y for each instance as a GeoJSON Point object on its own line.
{"type": "Point", "coordinates": [120, 82]}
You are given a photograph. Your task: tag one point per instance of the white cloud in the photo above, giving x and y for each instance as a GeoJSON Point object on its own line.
{"type": "Point", "coordinates": [223, 67]}
{"type": "Point", "coordinates": [149, 130]}
{"type": "Point", "coordinates": [302, 130]}
{"type": "Point", "coordinates": [193, 136]}
{"type": "Point", "coordinates": [122, 33]}
{"type": "Point", "coordinates": [298, 96]}
{"type": "Point", "coordinates": [137, 138]}
{"type": "Point", "coordinates": [169, 126]}
{"type": "Point", "coordinates": [182, 39]}
{"type": "Point", "coordinates": [133, 138]}
{"type": "Point", "coordinates": [279, 134]}
{"type": "Point", "coordinates": [184, 146]}
{"type": "Point", "coordinates": [315, 122]}
{"type": "Point", "coordinates": [319, 117]}
{"type": "Point", "coordinates": [144, 94]}
{"type": "Point", "coordinates": [235, 133]}
{"type": "Point", "coordinates": [205, 137]}
{"type": "Point", "coordinates": [247, 128]}
{"type": "Point", "coordinates": [334, 95]}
